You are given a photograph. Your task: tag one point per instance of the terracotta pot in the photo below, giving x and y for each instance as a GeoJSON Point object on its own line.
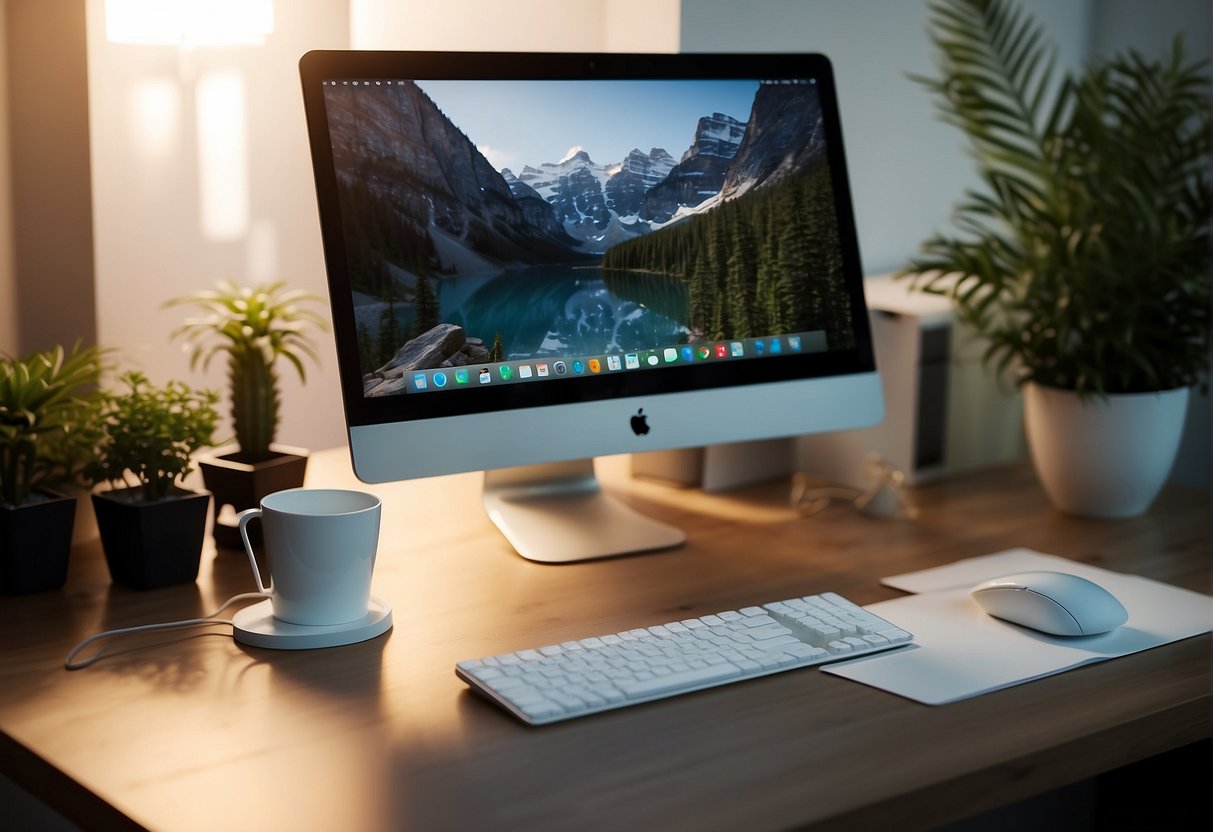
{"type": "Point", "coordinates": [1104, 458]}
{"type": "Point", "coordinates": [241, 485]}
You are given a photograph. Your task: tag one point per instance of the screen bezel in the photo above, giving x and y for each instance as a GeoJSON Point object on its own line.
{"type": "Point", "coordinates": [354, 65]}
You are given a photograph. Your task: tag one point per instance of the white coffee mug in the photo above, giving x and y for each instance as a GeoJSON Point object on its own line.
{"type": "Point", "coordinates": [321, 545]}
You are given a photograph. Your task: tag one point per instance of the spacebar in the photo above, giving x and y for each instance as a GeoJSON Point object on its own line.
{"type": "Point", "coordinates": [676, 681]}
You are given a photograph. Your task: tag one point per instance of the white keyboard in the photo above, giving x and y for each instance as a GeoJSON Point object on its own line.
{"type": "Point", "coordinates": [577, 678]}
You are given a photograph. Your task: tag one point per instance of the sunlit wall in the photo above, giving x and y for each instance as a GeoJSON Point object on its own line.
{"type": "Point", "coordinates": [201, 171]}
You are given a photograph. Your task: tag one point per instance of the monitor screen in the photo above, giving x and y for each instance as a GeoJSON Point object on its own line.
{"type": "Point", "coordinates": [540, 257]}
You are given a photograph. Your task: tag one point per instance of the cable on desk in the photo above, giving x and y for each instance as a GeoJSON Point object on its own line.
{"type": "Point", "coordinates": [205, 620]}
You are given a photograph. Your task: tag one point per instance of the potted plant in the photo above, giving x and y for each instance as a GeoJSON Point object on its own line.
{"type": "Point", "coordinates": [254, 326]}
{"type": "Point", "coordinates": [151, 528]}
{"type": "Point", "coordinates": [47, 401]}
{"type": "Point", "coordinates": [1084, 260]}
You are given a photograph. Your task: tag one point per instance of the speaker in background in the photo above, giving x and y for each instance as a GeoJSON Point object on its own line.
{"type": "Point", "coordinates": [944, 411]}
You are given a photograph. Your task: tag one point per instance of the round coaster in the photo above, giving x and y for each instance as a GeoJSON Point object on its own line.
{"type": "Point", "coordinates": [257, 627]}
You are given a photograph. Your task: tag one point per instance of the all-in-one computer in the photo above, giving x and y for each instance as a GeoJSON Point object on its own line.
{"type": "Point", "coordinates": [535, 259]}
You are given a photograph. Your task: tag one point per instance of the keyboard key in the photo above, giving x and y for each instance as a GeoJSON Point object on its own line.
{"type": "Point", "coordinates": [674, 681]}
{"type": "Point", "coordinates": [593, 674]}
{"type": "Point", "coordinates": [542, 709]}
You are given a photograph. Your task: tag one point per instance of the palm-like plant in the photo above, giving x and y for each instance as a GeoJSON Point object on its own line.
{"type": "Point", "coordinates": [254, 326]}
{"type": "Point", "coordinates": [1084, 261]}
{"type": "Point", "coordinates": [46, 404]}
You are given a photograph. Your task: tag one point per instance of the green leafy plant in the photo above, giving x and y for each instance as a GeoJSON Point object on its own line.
{"type": "Point", "coordinates": [1084, 260]}
{"type": "Point", "coordinates": [47, 404]}
{"type": "Point", "coordinates": [254, 326]}
{"type": "Point", "coordinates": [150, 434]}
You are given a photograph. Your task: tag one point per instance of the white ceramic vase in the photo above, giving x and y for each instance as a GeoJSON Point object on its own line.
{"type": "Point", "coordinates": [1105, 458]}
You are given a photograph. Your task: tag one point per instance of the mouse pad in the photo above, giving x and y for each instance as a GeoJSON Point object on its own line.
{"type": "Point", "coordinates": [959, 651]}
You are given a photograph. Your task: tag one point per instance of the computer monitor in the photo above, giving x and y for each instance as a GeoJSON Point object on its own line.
{"type": "Point", "coordinates": [543, 258]}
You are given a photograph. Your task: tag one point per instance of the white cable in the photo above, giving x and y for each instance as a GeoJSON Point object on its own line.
{"type": "Point", "coordinates": [167, 625]}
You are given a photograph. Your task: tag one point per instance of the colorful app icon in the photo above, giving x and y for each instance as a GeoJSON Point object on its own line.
{"type": "Point", "coordinates": [631, 361]}
{"type": "Point", "coordinates": [614, 362]}
{"type": "Point", "coordinates": [419, 381]}
{"type": "Point", "coordinates": [722, 351]}
{"type": "Point", "coordinates": [578, 366]}
{"type": "Point", "coordinates": [737, 349]}
{"type": "Point", "coordinates": [541, 370]}
{"type": "Point", "coordinates": [461, 376]}
{"type": "Point", "coordinates": [506, 372]}
{"type": "Point", "coordinates": [794, 343]}
{"type": "Point", "coordinates": [776, 347]}
{"type": "Point", "coordinates": [688, 353]}
{"type": "Point", "coordinates": [652, 359]}
{"type": "Point", "coordinates": [671, 355]}
{"type": "Point", "coordinates": [440, 379]}
{"type": "Point", "coordinates": [560, 368]}
{"type": "Point", "coordinates": [760, 347]}
{"type": "Point", "coordinates": [704, 352]}
{"type": "Point", "coordinates": [524, 371]}
{"type": "Point", "coordinates": [595, 365]}
{"type": "Point", "coordinates": [485, 375]}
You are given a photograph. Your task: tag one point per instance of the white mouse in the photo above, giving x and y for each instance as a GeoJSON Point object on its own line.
{"type": "Point", "coordinates": [1051, 602]}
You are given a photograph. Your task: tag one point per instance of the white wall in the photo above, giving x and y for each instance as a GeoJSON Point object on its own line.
{"type": "Point", "coordinates": [1151, 27]}
{"type": "Point", "coordinates": [8, 287]}
{"type": "Point", "coordinates": [516, 25]}
{"type": "Point", "coordinates": [155, 238]}
{"type": "Point", "coordinates": [906, 168]}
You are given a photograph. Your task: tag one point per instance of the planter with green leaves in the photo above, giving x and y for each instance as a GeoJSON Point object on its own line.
{"type": "Point", "coordinates": [1083, 261]}
{"type": "Point", "coordinates": [254, 327]}
{"type": "Point", "coordinates": [47, 405]}
{"type": "Point", "coordinates": [151, 528]}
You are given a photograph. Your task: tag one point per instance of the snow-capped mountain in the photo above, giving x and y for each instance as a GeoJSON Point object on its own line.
{"type": "Point", "coordinates": [699, 175]}
{"type": "Point", "coordinates": [597, 204]}
{"type": "Point", "coordinates": [573, 186]}
{"type": "Point", "coordinates": [637, 174]}
{"type": "Point", "coordinates": [716, 135]}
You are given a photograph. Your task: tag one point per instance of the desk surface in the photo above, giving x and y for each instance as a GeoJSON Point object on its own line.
{"type": "Point", "coordinates": [199, 733]}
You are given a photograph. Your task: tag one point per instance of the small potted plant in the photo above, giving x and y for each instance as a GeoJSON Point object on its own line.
{"type": "Point", "coordinates": [47, 403]}
{"type": "Point", "coordinates": [151, 528]}
{"type": "Point", "coordinates": [1083, 261]}
{"type": "Point", "coordinates": [254, 326]}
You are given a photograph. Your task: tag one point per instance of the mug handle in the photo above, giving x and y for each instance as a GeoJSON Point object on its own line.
{"type": "Point", "coordinates": [245, 517]}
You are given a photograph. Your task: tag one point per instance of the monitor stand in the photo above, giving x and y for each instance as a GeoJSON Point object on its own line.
{"type": "Point", "coordinates": [557, 513]}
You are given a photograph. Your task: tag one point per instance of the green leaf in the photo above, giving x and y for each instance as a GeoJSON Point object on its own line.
{"type": "Point", "coordinates": [262, 320]}
{"type": "Point", "coordinates": [1084, 260]}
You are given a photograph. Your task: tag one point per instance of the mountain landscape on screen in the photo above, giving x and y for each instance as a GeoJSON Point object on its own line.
{"type": "Point", "coordinates": [455, 261]}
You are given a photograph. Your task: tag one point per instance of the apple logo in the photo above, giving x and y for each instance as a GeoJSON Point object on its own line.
{"type": "Point", "coordinates": [640, 423]}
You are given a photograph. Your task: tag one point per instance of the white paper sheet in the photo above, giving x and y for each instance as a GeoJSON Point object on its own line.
{"type": "Point", "coordinates": [960, 651]}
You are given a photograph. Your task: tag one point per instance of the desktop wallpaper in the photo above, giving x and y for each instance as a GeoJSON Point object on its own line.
{"type": "Point", "coordinates": [501, 220]}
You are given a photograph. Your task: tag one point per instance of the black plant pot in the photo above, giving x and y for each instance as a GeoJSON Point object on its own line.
{"type": "Point", "coordinates": [35, 541]}
{"type": "Point", "coordinates": [151, 545]}
{"type": "Point", "coordinates": [241, 485]}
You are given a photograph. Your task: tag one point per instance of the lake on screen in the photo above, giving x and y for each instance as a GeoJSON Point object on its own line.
{"type": "Point", "coordinates": [567, 310]}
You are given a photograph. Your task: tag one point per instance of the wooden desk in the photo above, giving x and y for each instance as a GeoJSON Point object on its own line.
{"type": "Point", "coordinates": [198, 733]}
